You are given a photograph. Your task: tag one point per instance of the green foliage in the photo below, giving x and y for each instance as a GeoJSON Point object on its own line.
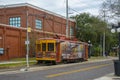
{"type": "Point", "coordinates": [33, 37]}
{"type": "Point", "coordinates": [92, 28]}
{"type": "Point", "coordinates": [97, 51]}
{"type": "Point", "coordinates": [89, 27]}
{"type": "Point", "coordinates": [15, 65]}
{"type": "Point", "coordinates": [112, 53]}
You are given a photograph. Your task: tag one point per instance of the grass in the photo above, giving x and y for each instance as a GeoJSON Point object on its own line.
{"type": "Point", "coordinates": [17, 65]}
{"type": "Point", "coordinates": [96, 58]}
{"type": "Point", "coordinates": [22, 59]}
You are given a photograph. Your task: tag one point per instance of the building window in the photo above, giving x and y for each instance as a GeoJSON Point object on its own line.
{"type": "Point", "coordinates": [38, 24]}
{"type": "Point", "coordinates": [15, 21]}
{"type": "Point", "coordinates": [71, 31]}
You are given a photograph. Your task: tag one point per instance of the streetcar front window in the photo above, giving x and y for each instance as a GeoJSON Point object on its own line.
{"type": "Point", "coordinates": [50, 46]}
{"type": "Point", "coordinates": [43, 46]}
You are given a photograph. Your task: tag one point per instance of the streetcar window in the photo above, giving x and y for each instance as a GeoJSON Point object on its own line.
{"type": "Point", "coordinates": [50, 46]}
{"type": "Point", "coordinates": [43, 46]}
{"type": "Point", "coordinates": [38, 47]}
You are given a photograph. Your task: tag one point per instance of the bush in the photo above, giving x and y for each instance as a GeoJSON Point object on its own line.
{"type": "Point", "coordinates": [113, 54]}
{"type": "Point", "coordinates": [96, 51]}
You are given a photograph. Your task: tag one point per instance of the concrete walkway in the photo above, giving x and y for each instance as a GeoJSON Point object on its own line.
{"type": "Point", "coordinates": [109, 77]}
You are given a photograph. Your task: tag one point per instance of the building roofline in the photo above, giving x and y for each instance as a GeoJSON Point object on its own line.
{"type": "Point", "coordinates": [35, 7]}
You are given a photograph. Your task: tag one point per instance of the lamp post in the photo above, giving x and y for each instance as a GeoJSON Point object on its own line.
{"type": "Point", "coordinates": [89, 48]}
{"type": "Point", "coordinates": [117, 62]}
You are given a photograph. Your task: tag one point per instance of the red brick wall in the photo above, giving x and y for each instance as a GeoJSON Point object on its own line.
{"type": "Point", "coordinates": [51, 23]}
{"type": "Point", "coordinates": [13, 39]}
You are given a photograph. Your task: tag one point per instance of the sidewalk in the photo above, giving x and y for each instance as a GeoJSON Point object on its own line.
{"type": "Point", "coordinates": [109, 77]}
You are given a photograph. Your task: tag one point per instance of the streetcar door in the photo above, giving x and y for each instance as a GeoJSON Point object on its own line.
{"type": "Point", "coordinates": [58, 53]}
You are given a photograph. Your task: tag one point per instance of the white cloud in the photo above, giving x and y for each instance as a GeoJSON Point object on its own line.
{"type": "Point", "coordinates": [93, 11]}
{"type": "Point", "coordinates": [58, 6]}
{"type": "Point", "coordinates": [5, 2]}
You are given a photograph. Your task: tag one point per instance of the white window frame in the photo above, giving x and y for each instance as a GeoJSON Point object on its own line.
{"type": "Point", "coordinates": [15, 21]}
{"type": "Point", "coordinates": [38, 23]}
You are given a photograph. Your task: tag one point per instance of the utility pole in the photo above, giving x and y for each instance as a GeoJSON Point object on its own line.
{"type": "Point", "coordinates": [104, 37]}
{"type": "Point", "coordinates": [67, 18]}
{"type": "Point", "coordinates": [27, 41]}
{"type": "Point", "coordinates": [104, 44]}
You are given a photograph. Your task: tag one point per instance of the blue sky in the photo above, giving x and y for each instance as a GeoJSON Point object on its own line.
{"type": "Point", "coordinates": [58, 6]}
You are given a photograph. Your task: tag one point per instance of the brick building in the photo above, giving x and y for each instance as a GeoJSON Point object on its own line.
{"type": "Point", "coordinates": [43, 23]}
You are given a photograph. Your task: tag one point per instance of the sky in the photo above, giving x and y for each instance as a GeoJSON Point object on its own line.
{"type": "Point", "coordinates": [59, 6]}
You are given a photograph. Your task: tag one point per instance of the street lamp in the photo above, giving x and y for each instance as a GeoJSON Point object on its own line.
{"type": "Point", "coordinates": [89, 48]}
{"type": "Point", "coordinates": [117, 62]}
{"type": "Point", "coordinates": [117, 29]}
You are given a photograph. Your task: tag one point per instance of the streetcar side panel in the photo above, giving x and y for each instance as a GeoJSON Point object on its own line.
{"type": "Point", "coordinates": [72, 51]}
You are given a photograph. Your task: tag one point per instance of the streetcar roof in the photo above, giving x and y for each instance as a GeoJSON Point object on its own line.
{"type": "Point", "coordinates": [62, 40]}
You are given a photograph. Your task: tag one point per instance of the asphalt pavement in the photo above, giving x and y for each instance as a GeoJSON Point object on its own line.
{"type": "Point", "coordinates": [106, 77]}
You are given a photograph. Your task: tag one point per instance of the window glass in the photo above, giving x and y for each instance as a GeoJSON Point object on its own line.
{"type": "Point", "coordinates": [15, 21]}
{"type": "Point", "coordinates": [38, 24]}
{"type": "Point", "coordinates": [71, 31]}
{"type": "Point", "coordinates": [43, 46]}
{"type": "Point", "coordinates": [50, 46]}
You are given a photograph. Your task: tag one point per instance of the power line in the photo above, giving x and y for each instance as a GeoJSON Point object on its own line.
{"type": "Point", "coordinates": [73, 10]}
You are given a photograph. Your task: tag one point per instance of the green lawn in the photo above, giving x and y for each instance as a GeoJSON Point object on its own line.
{"type": "Point", "coordinates": [32, 62]}
{"type": "Point", "coordinates": [22, 59]}
{"type": "Point", "coordinates": [96, 58]}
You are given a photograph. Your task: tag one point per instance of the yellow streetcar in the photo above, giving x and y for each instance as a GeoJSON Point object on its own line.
{"type": "Point", "coordinates": [50, 50]}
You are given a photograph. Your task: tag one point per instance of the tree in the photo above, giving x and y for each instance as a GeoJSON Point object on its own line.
{"type": "Point", "coordinates": [91, 28]}
{"type": "Point", "coordinates": [111, 9]}
{"type": "Point", "coordinates": [33, 38]}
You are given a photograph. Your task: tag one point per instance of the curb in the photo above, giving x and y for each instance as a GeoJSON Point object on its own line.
{"type": "Point", "coordinates": [35, 68]}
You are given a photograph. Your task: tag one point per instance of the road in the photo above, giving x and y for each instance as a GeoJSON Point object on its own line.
{"type": "Point", "coordinates": [73, 71]}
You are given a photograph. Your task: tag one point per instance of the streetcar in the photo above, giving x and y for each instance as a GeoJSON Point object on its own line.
{"type": "Point", "coordinates": [51, 50]}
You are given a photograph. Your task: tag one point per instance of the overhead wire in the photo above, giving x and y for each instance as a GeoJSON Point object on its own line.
{"type": "Point", "coordinates": [74, 10]}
